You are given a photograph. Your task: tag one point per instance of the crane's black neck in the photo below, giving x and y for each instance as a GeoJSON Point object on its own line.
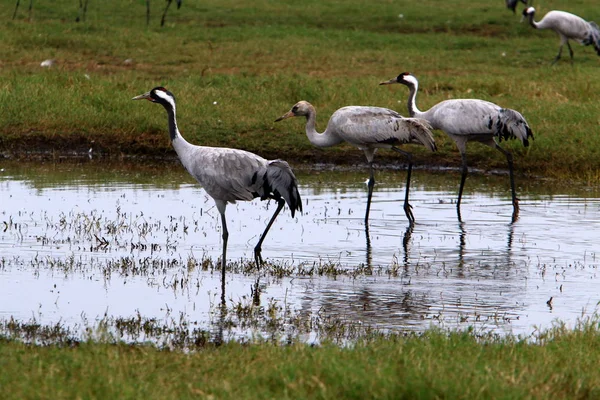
{"type": "Point", "coordinates": [173, 131]}
{"type": "Point", "coordinates": [530, 17]}
{"type": "Point", "coordinates": [412, 99]}
{"type": "Point", "coordinates": [166, 99]}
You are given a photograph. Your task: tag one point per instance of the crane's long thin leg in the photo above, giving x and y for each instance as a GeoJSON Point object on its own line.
{"type": "Point", "coordinates": [463, 178]}
{"type": "Point", "coordinates": [509, 158]}
{"type": "Point", "coordinates": [370, 185]}
{"type": "Point", "coordinates": [79, 11]}
{"type": "Point", "coordinates": [147, 12]}
{"type": "Point", "coordinates": [16, 8]}
{"type": "Point", "coordinates": [558, 55]}
{"type": "Point", "coordinates": [407, 206]}
{"type": "Point", "coordinates": [162, 21]}
{"type": "Point", "coordinates": [85, 9]}
{"type": "Point", "coordinates": [224, 259]}
{"type": "Point", "coordinates": [570, 51]}
{"type": "Point", "coordinates": [29, 11]}
{"type": "Point", "coordinates": [257, 250]}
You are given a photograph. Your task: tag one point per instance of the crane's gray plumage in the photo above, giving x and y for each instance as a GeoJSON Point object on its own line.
{"type": "Point", "coordinates": [368, 128]}
{"type": "Point", "coordinates": [568, 27]}
{"type": "Point", "coordinates": [470, 120]}
{"type": "Point", "coordinates": [512, 4]}
{"type": "Point", "coordinates": [228, 175]}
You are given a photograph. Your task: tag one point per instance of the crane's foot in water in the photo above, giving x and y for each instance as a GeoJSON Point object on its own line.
{"type": "Point", "coordinates": [258, 257]}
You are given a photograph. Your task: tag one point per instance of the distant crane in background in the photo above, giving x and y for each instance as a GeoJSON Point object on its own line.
{"type": "Point", "coordinates": [368, 128]}
{"type": "Point", "coordinates": [162, 20]}
{"type": "Point", "coordinates": [512, 4]}
{"type": "Point", "coordinates": [567, 26]}
{"type": "Point", "coordinates": [466, 120]}
{"type": "Point", "coordinates": [82, 10]}
{"type": "Point", "coordinates": [17, 7]}
{"type": "Point", "coordinates": [80, 15]}
{"type": "Point", "coordinates": [164, 16]}
{"type": "Point", "coordinates": [228, 175]}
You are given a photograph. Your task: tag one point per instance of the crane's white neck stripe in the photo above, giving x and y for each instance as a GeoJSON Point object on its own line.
{"type": "Point", "coordinates": [411, 79]}
{"type": "Point", "coordinates": [165, 97]}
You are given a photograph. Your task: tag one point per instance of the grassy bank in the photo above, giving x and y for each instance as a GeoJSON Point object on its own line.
{"type": "Point", "coordinates": [236, 66]}
{"type": "Point", "coordinates": [556, 364]}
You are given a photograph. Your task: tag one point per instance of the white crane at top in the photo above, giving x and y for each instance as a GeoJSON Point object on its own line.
{"type": "Point", "coordinates": [228, 175]}
{"type": "Point", "coordinates": [567, 26]}
{"type": "Point", "coordinates": [369, 129]}
{"type": "Point", "coordinates": [467, 120]}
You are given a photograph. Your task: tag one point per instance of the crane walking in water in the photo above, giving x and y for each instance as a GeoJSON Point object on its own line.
{"type": "Point", "coordinates": [368, 128]}
{"type": "Point", "coordinates": [228, 175]}
{"type": "Point", "coordinates": [467, 120]}
{"type": "Point", "coordinates": [567, 26]}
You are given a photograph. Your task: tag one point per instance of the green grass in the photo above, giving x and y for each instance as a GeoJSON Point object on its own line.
{"type": "Point", "coordinates": [255, 60]}
{"type": "Point", "coordinates": [556, 364]}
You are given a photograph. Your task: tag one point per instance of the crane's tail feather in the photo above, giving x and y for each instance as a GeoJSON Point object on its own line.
{"type": "Point", "coordinates": [594, 37]}
{"type": "Point", "coordinates": [511, 4]}
{"type": "Point", "coordinates": [280, 182]}
{"type": "Point", "coordinates": [420, 132]}
{"type": "Point", "coordinates": [512, 125]}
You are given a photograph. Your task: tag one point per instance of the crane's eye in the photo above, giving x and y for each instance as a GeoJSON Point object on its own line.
{"type": "Point", "coordinates": [294, 109]}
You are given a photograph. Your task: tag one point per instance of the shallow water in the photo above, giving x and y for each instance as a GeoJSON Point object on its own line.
{"type": "Point", "coordinates": [84, 240]}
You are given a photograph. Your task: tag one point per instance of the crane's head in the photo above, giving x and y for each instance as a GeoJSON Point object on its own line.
{"type": "Point", "coordinates": [404, 78]}
{"type": "Point", "coordinates": [301, 108]}
{"type": "Point", "coordinates": [158, 95]}
{"type": "Point", "coordinates": [528, 11]}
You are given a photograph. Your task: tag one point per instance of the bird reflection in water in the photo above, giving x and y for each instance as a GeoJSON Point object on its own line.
{"type": "Point", "coordinates": [406, 239]}
{"type": "Point", "coordinates": [463, 240]}
{"type": "Point", "coordinates": [369, 250]}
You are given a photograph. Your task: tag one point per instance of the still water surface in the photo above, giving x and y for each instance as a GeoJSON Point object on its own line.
{"type": "Point", "coordinates": [81, 240]}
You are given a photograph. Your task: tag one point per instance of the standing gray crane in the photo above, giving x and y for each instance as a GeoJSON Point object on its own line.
{"type": "Point", "coordinates": [228, 175]}
{"type": "Point", "coordinates": [368, 128]}
{"type": "Point", "coordinates": [467, 120]}
{"type": "Point", "coordinates": [567, 26]}
{"type": "Point", "coordinates": [512, 4]}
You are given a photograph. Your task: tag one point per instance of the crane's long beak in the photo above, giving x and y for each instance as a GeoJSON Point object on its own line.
{"type": "Point", "coordinates": [287, 115]}
{"type": "Point", "coordinates": [390, 82]}
{"type": "Point", "coordinates": [143, 96]}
